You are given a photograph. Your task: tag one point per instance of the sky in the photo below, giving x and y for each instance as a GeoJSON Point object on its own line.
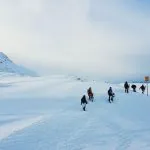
{"type": "Point", "coordinates": [89, 37]}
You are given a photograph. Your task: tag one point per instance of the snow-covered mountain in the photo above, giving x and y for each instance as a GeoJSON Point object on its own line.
{"type": "Point", "coordinates": [6, 65]}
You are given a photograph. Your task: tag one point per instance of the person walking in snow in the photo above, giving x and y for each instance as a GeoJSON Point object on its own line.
{"type": "Point", "coordinates": [143, 88]}
{"type": "Point", "coordinates": [111, 95]}
{"type": "Point", "coordinates": [84, 102]}
{"type": "Point", "coordinates": [90, 94]}
{"type": "Point", "coordinates": [133, 87]}
{"type": "Point", "coordinates": [126, 86]}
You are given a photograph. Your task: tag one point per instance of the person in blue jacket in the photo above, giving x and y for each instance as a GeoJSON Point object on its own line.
{"type": "Point", "coordinates": [111, 95]}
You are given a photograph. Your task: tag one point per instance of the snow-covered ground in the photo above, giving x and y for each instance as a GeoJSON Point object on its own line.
{"type": "Point", "coordinates": [44, 113]}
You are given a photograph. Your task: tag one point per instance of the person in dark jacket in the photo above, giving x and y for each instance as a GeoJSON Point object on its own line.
{"type": "Point", "coordinates": [83, 102]}
{"type": "Point", "coordinates": [111, 95]}
{"type": "Point", "coordinates": [126, 86]}
{"type": "Point", "coordinates": [143, 88]}
{"type": "Point", "coordinates": [133, 87]}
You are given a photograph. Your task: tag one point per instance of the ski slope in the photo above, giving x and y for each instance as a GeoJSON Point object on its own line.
{"type": "Point", "coordinates": [44, 113]}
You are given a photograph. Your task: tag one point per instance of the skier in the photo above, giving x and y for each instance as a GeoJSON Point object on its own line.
{"type": "Point", "coordinates": [126, 86]}
{"type": "Point", "coordinates": [133, 87]}
{"type": "Point", "coordinates": [111, 95]}
{"type": "Point", "coordinates": [83, 102]}
{"type": "Point", "coordinates": [90, 94]}
{"type": "Point", "coordinates": [143, 88]}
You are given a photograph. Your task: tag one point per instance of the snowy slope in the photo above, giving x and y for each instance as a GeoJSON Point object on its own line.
{"type": "Point", "coordinates": [45, 114]}
{"type": "Point", "coordinates": [6, 65]}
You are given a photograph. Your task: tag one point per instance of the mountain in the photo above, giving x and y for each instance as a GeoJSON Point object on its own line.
{"type": "Point", "coordinates": [7, 65]}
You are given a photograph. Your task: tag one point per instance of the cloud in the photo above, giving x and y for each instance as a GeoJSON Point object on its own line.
{"type": "Point", "coordinates": [90, 36]}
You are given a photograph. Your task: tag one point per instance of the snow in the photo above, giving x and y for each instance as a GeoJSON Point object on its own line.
{"type": "Point", "coordinates": [44, 113]}
{"type": "Point", "coordinates": [13, 126]}
{"type": "Point", "coordinates": [7, 66]}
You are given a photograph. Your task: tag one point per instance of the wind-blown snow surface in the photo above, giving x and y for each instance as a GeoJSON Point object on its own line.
{"type": "Point", "coordinates": [44, 113]}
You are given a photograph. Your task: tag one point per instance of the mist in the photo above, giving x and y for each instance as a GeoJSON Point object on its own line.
{"type": "Point", "coordinates": [107, 39]}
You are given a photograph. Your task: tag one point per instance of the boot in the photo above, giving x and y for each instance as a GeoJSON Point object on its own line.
{"type": "Point", "coordinates": [83, 108]}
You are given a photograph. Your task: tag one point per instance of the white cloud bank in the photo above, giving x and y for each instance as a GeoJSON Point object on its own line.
{"type": "Point", "coordinates": [96, 37]}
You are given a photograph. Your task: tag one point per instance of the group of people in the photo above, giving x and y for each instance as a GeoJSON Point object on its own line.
{"type": "Point", "coordinates": [111, 94]}
{"type": "Point", "coordinates": [84, 100]}
{"type": "Point", "coordinates": [133, 86]}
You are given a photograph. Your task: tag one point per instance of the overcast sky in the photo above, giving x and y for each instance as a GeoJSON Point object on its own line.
{"type": "Point", "coordinates": [93, 37]}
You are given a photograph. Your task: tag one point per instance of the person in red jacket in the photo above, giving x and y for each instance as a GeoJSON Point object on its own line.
{"type": "Point", "coordinates": [90, 94]}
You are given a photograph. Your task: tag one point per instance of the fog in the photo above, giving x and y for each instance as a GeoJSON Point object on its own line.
{"type": "Point", "coordinates": [99, 38]}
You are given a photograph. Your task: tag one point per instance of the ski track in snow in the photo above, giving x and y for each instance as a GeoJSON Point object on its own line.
{"type": "Point", "coordinates": [69, 128]}
{"type": "Point", "coordinates": [74, 132]}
